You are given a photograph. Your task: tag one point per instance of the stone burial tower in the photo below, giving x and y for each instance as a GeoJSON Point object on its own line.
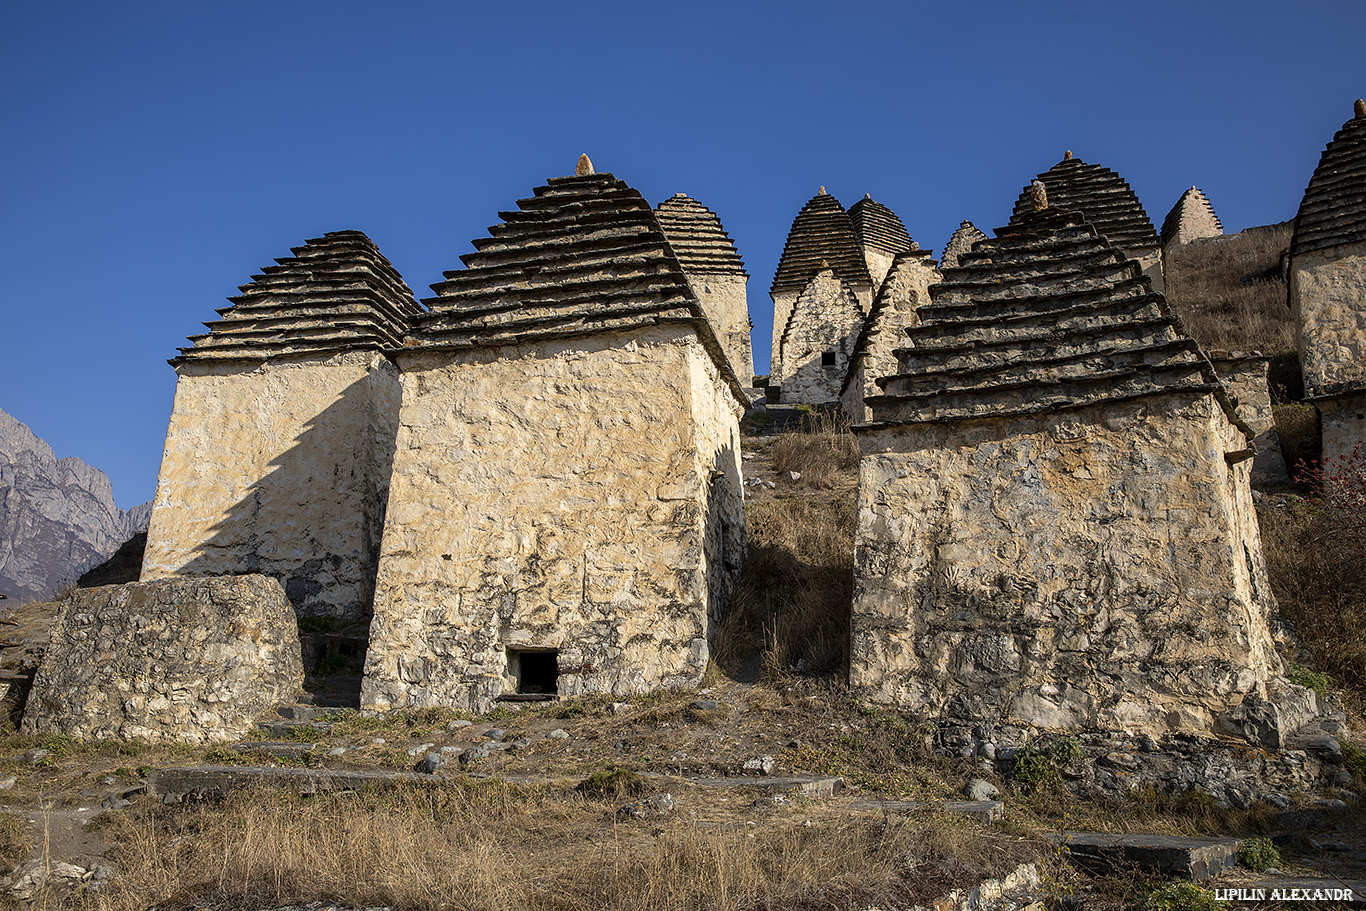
{"type": "Point", "coordinates": [1106, 200]}
{"type": "Point", "coordinates": [822, 292]}
{"type": "Point", "coordinates": [1328, 287]}
{"type": "Point", "coordinates": [1192, 218]}
{"type": "Point", "coordinates": [565, 512]}
{"type": "Point", "coordinates": [1055, 524]}
{"type": "Point", "coordinates": [278, 453]}
{"type": "Point", "coordinates": [716, 273]}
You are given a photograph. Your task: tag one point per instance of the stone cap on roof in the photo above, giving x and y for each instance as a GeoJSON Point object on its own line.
{"type": "Point", "coordinates": [1101, 196]}
{"type": "Point", "coordinates": [1333, 210]}
{"type": "Point", "coordinates": [335, 293]}
{"type": "Point", "coordinates": [1047, 316]}
{"type": "Point", "coordinates": [961, 242]}
{"type": "Point", "coordinates": [584, 256]}
{"type": "Point", "coordinates": [822, 230]}
{"type": "Point", "coordinates": [1191, 218]}
{"type": "Point", "coordinates": [878, 227]}
{"type": "Point", "coordinates": [698, 238]}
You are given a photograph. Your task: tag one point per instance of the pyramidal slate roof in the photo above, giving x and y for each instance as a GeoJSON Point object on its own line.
{"type": "Point", "coordinates": [1099, 194]}
{"type": "Point", "coordinates": [1045, 317]}
{"type": "Point", "coordinates": [961, 242]}
{"type": "Point", "coordinates": [822, 231]}
{"type": "Point", "coordinates": [877, 312]}
{"type": "Point", "coordinates": [1194, 214]}
{"type": "Point", "coordinates": [336, 293]}
{"type": "Point", "coordinates": [584, 255]}
{"type": "Point", "coordinates": [1333, 211]}
{"type": "Point", "coordinates": [877, 226]}
{"type": "Point", "coordinates": [697, 237]}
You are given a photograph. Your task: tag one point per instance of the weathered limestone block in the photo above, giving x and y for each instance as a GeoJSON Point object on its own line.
{"type": "Point", "coordinates": [580, 496]}
{"type": "Point", "coordinates": [1149, 260]}
{"type": "Point", "coordinates": [1244, 376]}
{"type": "Point", "coordinates": [726, 303]}
{"type": "Point", "coordinates": [818, 341]}
{"type": "Point", "coordinates": [280, 468]}
{"type": "Point", "coordinates": [1328, 295]}
{"type": "Point", "coordinates": [1342, 420]}
{"type": "Point", "coordinates": [1091, 568]}
{"type": "Point", "coordinates": [904, 291]}
{"type": "Point", "coordinates": [188, 660]}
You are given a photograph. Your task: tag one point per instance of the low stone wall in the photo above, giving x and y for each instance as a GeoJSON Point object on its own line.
{"type": "Point", "coordinates": [189, 660]}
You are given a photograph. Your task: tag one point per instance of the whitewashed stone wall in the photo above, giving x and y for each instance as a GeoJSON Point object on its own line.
{"type": "Point", "coordinates": [1343, 424]}
{"type": "Point", "coordinates": [1149, 260]}
{"type": "Point", "coordinates": [904, 292]}
{"type": "Point", "coordinates": [879, 263]}
{"type": "Point", "coordinates": [724, 300]}
{"type": "Point", "coordinates": [1096, 568]}
{"type": "Point", "coordinates": [279, 468]}
{"type": "Point", "coordinates": [187, 660]}
{"type": "Point", "coordinates": [1328, 295]}
{"type": "Point", "coordinates": [580, 495]}
{"type": "Point", "coordinates": [1244, 376]}
{"type": "Point", "coordinates": [826, 319]}
{"type": "Point", "coordinates": [783, 301]}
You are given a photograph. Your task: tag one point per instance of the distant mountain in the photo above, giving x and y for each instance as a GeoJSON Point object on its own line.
{"type": "Point", "coordinates": [57, 516]}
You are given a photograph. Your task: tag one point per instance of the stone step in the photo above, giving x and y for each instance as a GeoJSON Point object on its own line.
{"type": "Point", "coordinates": [301, 712]}
{"type": "Point", "coordinates": [295, 729]}
{"type": "Point", "coordinates": [814, 786]}
{"type": "Point", "coordinates": [984, 811]}
{"type": "Point", "coordinates": [277, 749]}
{"type": "Point", "coordinates": [176, 784]}
{"type": "Point", "coordinates": [1196, 859]}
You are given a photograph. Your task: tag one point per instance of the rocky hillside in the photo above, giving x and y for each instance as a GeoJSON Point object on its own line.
{"type": "Point", "coordinates": [57, 516]}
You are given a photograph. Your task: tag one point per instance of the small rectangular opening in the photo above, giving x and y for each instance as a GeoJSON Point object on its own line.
{"type": "Point", "coordinates": [536, 671]}
{"type": "Point", "coordinates": [828, 359]}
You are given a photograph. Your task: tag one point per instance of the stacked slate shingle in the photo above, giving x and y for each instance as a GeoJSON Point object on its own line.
{"type": "Point", "coordinates": [1099, 194]}
{"type": "Point", "coordinates": [960, 243]}
{"type": "Point", "coordinates": [1047, 316]}
{"type": "Point", "coordinates": [878, 227]}
{"type": "Point", "coordinates": [1190, 219]}
{"type": "Point", "coordinates": [821, 233]}
{"type": "Point", "coordinates": [1333, 211]}
{"type": "Point", "coordinates": [336, 293]}
{"type": "Point", "coordinates": [586, 254]}
{"type": "Point", "coordinates": [697, 237]}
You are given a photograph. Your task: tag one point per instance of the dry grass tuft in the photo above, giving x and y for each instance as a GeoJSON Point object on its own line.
{"type": "Point", "coordinates": [792, 604]}
{"type": "Point", "coordinates": [492, 847]}
{"type": "Point", "coordinates": [1229, 291]}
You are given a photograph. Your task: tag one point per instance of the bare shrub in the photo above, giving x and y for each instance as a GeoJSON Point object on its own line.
{"type": "Point", "coordinates": [1229, 291]}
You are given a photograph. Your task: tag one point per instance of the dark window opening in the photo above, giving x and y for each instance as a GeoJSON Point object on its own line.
{"type": "Point", "coordinates": [537, 672]}
{"type": "Point", "coordinates": [828, 359]}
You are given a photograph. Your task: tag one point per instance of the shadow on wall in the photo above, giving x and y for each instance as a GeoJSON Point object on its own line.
{"type": "Point", "coordinates": [725, 540]}
{"type": "Point", "coordinates": [315, 519]}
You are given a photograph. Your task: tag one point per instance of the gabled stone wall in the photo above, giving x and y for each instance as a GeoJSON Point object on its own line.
{"type": "Point", "coordinates": [1095, 568]}
{"type": "Point", "coordinates": [280, 468]}
{"type": "Point", "coordinates": [1328, 295]}
{"type": "Point", "coordinates": [1245, 377]}
{"type": "Point", "coordinates": [904, 291]}
{"type": "Point", "coordinates": [818, 341]}
{"type": "Point", "coordinates": [578, 495]}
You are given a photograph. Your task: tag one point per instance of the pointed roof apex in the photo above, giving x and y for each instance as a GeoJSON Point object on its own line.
{"type": "Point", "coordinates": [1067, 156]}
{"type": "Point", "coordinates": [867, 195]}
{"type": "Point", "coordinates": [821, 230]}
{"type": "Point", "coordinates": [1100, 195]}
{"type": "Point", "coordinates": [1359, 109]}
{"type": "Point", "coordinates": [680, 196]}
{"type": "Point", "coordinates": [1333, 210]}
{"type": "Point", "coordinates": [1191, 219]}
{"type": "Point", "coordinates": [697, 237]}
{"type": "Point", "coordinates": [822, 192]}
{"type": "Point", "coordinates": [584, 167]}
{"type": "Point", "coordinates": [825, 266]}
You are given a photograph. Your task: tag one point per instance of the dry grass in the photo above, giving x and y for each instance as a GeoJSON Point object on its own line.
{"type": "Point", "coordinates": [1229, 291]}
{"type": "Point", "coordinates": [792, 604]}
{"type": "Point", "coordinates": [1297, 427]}
{"type": "Point", "coordinates": [491, 847]}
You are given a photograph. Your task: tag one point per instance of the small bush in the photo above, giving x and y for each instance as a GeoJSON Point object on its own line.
{"type": "Point", "coordinates": [617, 784]}
{"type": "Point", "coordinates": [1065, 750]}
{"type": "Point", "coordinates": [1354, 760]}
{"type": "Point", "coordinates": [1259, 855]}
{"type": "Point", "coordinates": [1034, 767]}
{"type": "Point", "coordinates": [1300, 675]}
{"type": "Point", "coordinates": [1181, 897]}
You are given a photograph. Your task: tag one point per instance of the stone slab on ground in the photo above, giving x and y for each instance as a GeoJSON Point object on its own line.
{"type": "Point", "coordinates": [1196, 859]}
{"type": "Point", "coordinates": [986, 811]}
{"type": "Point", "coordinates": [292, 749]}
{"type": "Point", "coordinates": [802, 785]}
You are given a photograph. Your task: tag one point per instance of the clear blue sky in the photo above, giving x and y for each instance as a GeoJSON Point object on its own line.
{"type": "Point", "coordinates": [157, 154]}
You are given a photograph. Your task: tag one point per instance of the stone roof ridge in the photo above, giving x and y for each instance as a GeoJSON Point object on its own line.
{"type": "Point", "coordinates": [584, 255]}
{"type": "Point", "coordinates": [821, 230]}
{"type": "Point", "coordinates": [878, 227]}
{"type": "Point", "coordinates": [335, 293]}
{"type": "Point", "coordinates": [698, 237]}
{"type": "Point", "coordinates": [960, 243]}
{"type": "Point", "coordinates": [1047, 316]}
{"type": "Point", "coordinates": [1190, 211]}
{"type": "Point", "coordinates": [1333, 210]}
{"type": "Point", "coordinates": [1101, 195]}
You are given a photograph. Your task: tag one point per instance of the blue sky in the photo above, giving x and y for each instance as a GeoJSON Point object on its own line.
{"type": "Point", "coordinates": [158, 154]}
